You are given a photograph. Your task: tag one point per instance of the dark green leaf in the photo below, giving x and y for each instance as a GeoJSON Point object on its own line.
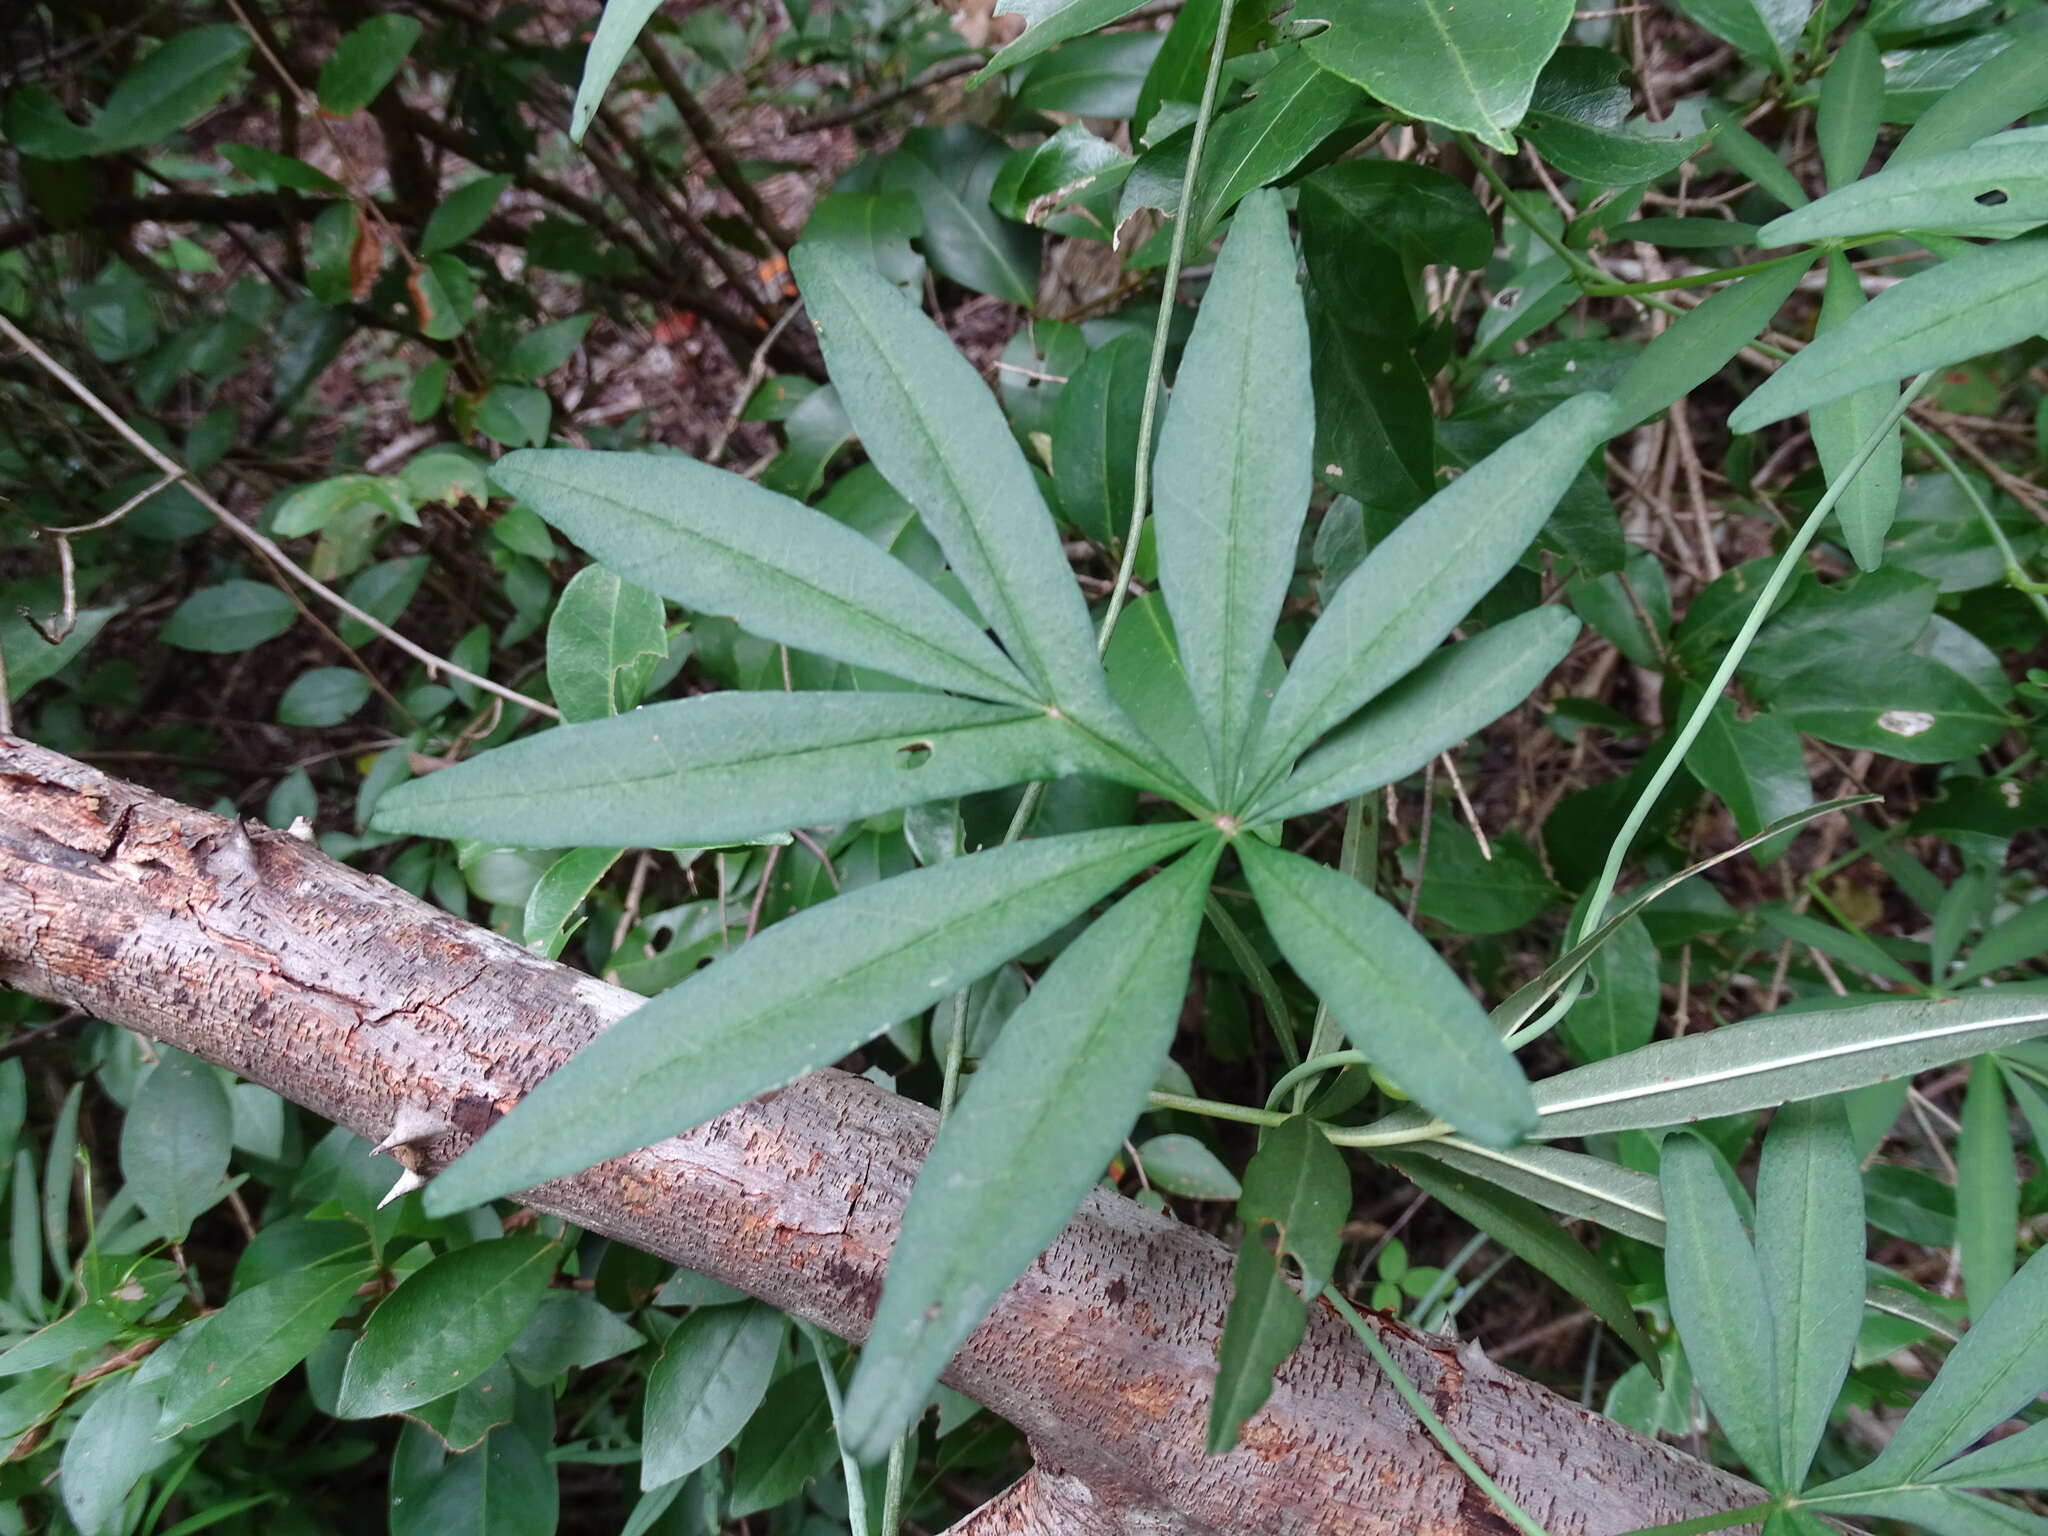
{"type": "Point", "coordinates": [1699, 344]}
{"type": "Point", "coordinates": [784, 1446]}
{"type": "Point", "coordinates": [1040, 1120]}
{"type": "Point", "coordinates": [877, 227]}
{"type": "Point", "coordinates": [796, 998]}
{"type": "Point", "coordinates": [364, 62]}
{"type": "Point", "coordinates": [1036, 182]}
{"type": "Point", "coordinates": [1756, 766]}
{"type": "Point", "coordinates": [1578, 121]}
{"type": "Point", "coordinates": [557, 895]}
{"type": "Point", "coordinates": [505, 1487]}
{"type": "Point", "coordinates": [1766, 31]}
{"type": "Point", "coordinates": [252, 1341]}
{"type": "Point", "coordinates": [1851, 108]}
{"type": "Point", "coordinates": [603, 643]}
{"type": "Point", "coordinates": [323, 696]}
{"type": "Point", "coordinates": [1620, 1012]}
{"type": "Point", "coordinates": [1467, 67]}
{"type": "Point", "coordinates": [1095, 437]}
{"type": "Point", "coordinates": [1397, 1000]}
{"type": "Point", "coordinates": [714, 542]}
{"type": "Point", "coordinates": [1051, 22]}
{"type": "Point", "coordinates": [175, 1143]}
{"type": "Point", "coordinates": [713, 1372]}
{"type": "Point", "coordinates": [1297, 1193]}
{"type": "Point", "coordinates": [446, 1324]}
{"type": "Point", "coordinates": [1494, 889]}
{"type": "Point", "coordinates": [1841, 427]}
{"type": "Point", "coordinates": [1719, 1306]}
{"type": "Point", "coordinates": [1095, 76]}
{"type": "Point", "coordinates": [234, 616]}
{"type": "Point", "coordinates": [461, 213]}
{"type": "Point", "coordinates": [573, 1330]}
{"type": "Point", "coordinates": [2006, 85]}
{"type": "Point", "coordinates": [1297, 106]}
{"type": "Point", "coordinates": [112, 1446]}
{"type": "Point", "coordinates": [1234, 475]}
{"type": "Point", "coordinates": [180, 79]}
{"type": "Point", "coordinates": [1996, 187]}
{"type": "Point", "coordinates": [951, 171]}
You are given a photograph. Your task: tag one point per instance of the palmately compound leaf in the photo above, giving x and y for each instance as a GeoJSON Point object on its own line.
{"type": "Point", "coordinates": [1989, 298]}
{"type": "Point", "coordinates": [1453, 694]}
{"type": "Point", "coordinates": [1040, 1120]}
{"type": "Point", "coordinates": [720, 544]}
{"type": "Point", "coordinates": [1397, 1000]}
{"type": "Point", "coordinates": [1422, 579]}
{"type": "Point", "coordinates": [1234, 473]}
{"type": "Point", "coordinates": [934, 430]}
{"type": "Point", "coordinates": [796, 998]}
{"type": "Point", "coordinates": [2000, 1366]}
{"type": "Point", "coordinates": [1996, 187]}
{"type": "Point", "coordinates": [1297, 1193]}
{"type": "Point", "coordinates": [1781, 1058]}
{"type": "Point", "coordinates": [1717, 1303]}
{"type": "Point", "coordinates": [1809, 1250]}
{"type": "Point", "coordinates": [727, 767]}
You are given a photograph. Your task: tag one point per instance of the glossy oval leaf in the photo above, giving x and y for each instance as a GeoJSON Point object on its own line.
{"type": "Point", "coordinates": [446, 1325]}
{"type": "Point", "coordinates": [1472, 67]}
{"type": "Point", "coordinates": [719, 544]}
{"type": "Point", "coordinates": [932, 427]}
{"type": "Point", "coordinates": [1781, 1058]}
{"type": "Point", "coordinates": [1422, 579]}
{"type": "Point", "coordinates": [1454, 694]}
{"type": "Point", "coordinates": [1233, 473]}
{"type": "Point", "coordinates": [728, 767]}
{"type": "Point", "coordinates": [796, 998]}
{"type": "Point", "coordinates": [1041, 1119]}
{"type": "Point", "coordinates": [713, 1372]}
{"type": "Point", "coordinates": [1397, 1000]}
{"type": "Point", "coordinates": [252, 1341]}
{"type": "Point", "coordinates": [1988, 298]}
{"type": "Point", "coordinates": [1809, 1250]}
{"type": "Point", "coordinates": [1718, 1305]}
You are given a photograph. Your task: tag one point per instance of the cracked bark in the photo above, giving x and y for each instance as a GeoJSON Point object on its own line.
{"type": "Point", "coordinates": [344, 994]}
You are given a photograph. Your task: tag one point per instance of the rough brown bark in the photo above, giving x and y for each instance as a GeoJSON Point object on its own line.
{"type": "Point", "coordinates": [339, 991]}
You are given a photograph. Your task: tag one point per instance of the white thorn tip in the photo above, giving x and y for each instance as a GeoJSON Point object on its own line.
{"type": "Point", "coordinates": [407, 1182]}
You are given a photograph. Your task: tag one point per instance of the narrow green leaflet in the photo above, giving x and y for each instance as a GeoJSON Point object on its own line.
{"type": "Point", "coordinates": [1397, 1000]}
{"type": "Point", "coordinates": [1039, 1122]}
{"type": "Point", "coordinates": [2010, 84]}
{"type": "Point", "coordinates": [713, 1372]}
{"type": "Point", "coordinates": [935, 431]}
{"type": "Point", "coordinates": [1698, 345]}
{"type": "Point", "coordinates": [1234, 473]}
{"type": "Point", "coordinates": [617, 30]}
{"type": "Point", "coordinates": [1297, 1193]}
{"type": "Point", "coordinates": [1752, 157]}
{"type": "Point", "coordinates": [1472, 67]}
{"type": "Point", "coordinates": [1520, 1226]}
{"type": "Point", "coordinates": [728, 767]}
{"type": "Point", "coordinates": [1987, 1187]}
{"type": "Point", "coordinates": [1297, 106]}
{"type": "Point", "coordinates": [252, 1341]}
{"type": "Point", "coordinates": [175, 1143]}
{"type": "Point", "coordinates": [1842, 426]}
{"type": "Point", "coordinates": [1809, 1249]}
{"type": "Point", "coordinates": [1572, 1184]}
{"type": "Point", "coordinates": [2000, 1366]}
{"type": "Point", "coordinates": [1940, 1512]}
{"type": "Point", "coordinates": [1851, 108]}
{"type": "Point", "coordinates": [1048, 23]}
{"type": "Point", "coordinates": [714, 542]}
{"type": "Point", "coordinates": [796, 998]}
{"type": "Point", "coordinates": [1999, 186]}
{"type": "Point", "coordinates": [1718, 1305]}
{"type": "Point", "coordinates": [2017, 1461]}
{"type": "Point", "coordinates": [1780, 1058]}
{"type": "Point", "coordinates": [445, 1325]}
{"type": "Point", "coordinates": [1988, 298]}
{"type": "Point", "coordinates": [1451, 696]}
{"type": "Point", "coordinates": [603, 642]}
{"type": "Point", "coordinates": [1423, 579]}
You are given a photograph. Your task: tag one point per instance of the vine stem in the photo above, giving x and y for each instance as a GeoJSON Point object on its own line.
{"type": "Point", "coordinates": [2015, 573]}
{"type": "Point", "coordinates": [1795, 552]}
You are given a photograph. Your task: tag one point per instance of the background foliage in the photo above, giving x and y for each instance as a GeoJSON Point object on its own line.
{"type": "Point", "coordinates": [1578, 337]}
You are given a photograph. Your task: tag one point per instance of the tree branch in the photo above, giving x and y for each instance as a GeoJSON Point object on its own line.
{"type": "Point", "coordinates": [336, 989]}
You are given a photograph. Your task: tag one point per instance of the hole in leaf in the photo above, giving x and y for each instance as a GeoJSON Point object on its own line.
{"type": "Point", "coordinates": [913, 754]}
{"type": "Point", "coordinates": [1993, 198]}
